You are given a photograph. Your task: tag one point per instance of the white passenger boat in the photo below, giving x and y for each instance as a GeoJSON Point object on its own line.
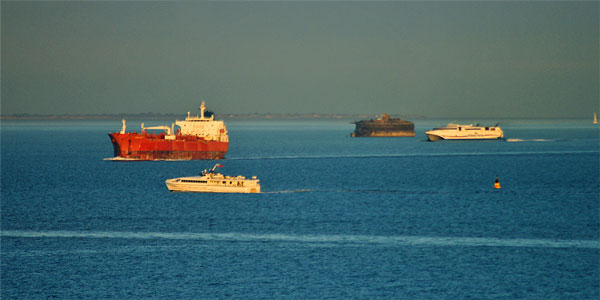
{"type": "Point", "coordinates": [212, 182]}
{"type": "Point", "coordinates": [465, 132]}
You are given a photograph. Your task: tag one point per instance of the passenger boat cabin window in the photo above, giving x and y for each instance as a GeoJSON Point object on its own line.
{"type": "Point", "coordinates": [194, 181]}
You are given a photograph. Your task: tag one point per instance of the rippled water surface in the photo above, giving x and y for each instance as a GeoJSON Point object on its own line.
{"type": "Point", "coordinates": [340, 217]}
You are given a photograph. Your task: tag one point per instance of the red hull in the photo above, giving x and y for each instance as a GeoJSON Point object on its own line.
{"type": "Point", "coordinates": [144, 146]}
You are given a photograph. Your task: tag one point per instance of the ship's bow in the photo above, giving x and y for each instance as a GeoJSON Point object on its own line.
{"type": "Point", "coordinates": [432, 136]}
{"type": "Point", "coordinates": [119, 143]}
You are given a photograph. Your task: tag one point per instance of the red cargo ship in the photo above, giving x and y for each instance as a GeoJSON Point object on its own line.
{"type": "Point", "coordinates": [199, 137]}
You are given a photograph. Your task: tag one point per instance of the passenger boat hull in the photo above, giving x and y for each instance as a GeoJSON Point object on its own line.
{"type": "Point", "coordinates": [144, 146]}
{"type": "Point", "coordinates": [179, 187]}
{"type": "Point", "coordinates": [434, 138]}
{"type": "Point", "coordinates": [465, 133]}
{"type": "Point", "coordinates": [174, 185]}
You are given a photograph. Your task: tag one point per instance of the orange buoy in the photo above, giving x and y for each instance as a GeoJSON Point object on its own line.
{"type": "Point", "coordinates": [497, 183]}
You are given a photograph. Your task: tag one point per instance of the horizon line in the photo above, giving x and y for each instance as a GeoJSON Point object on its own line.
{"type": "Point", "coordinates": [253, 115]}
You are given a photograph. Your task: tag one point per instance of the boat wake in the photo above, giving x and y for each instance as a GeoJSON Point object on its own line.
{"type": "Point", "coordinates": [323, 240]}
{"type": "Point", "coordinates": [420, 154]}
{"type": "Point", "coordinates": [530, 140]}
{"type": "Point", "coordinates": [118, 158]}
{"type": "Point", "coordinates": [288, 191]}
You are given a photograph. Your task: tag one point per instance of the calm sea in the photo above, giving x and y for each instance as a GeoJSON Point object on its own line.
{"type": "Point", "coordinates": [340, 217]}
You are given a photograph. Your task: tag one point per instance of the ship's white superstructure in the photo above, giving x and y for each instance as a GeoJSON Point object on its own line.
{"type": "Point", "coordinates": [212, 182]}
{"type": "Point", "coordinates": [205, 127]}
{"type": "Point", "coordinates": [198, 126]}
{"type": "Point", "coordinates": [465, 132]}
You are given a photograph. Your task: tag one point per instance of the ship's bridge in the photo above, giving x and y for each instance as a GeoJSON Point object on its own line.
{"type": "Point", "coordinates": [204, 127]}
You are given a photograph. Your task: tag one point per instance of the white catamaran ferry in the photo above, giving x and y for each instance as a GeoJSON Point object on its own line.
{"type": "Point", "coordinates": [465, 132]}
{"type": "Point", "coordinates": [212, 182]}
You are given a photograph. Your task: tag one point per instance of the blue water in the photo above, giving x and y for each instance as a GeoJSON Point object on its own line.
{"type": "Point", "coordinates": [340, 217]}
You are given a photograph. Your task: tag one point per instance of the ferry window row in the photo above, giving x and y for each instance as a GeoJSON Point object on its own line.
{"type": "Point", "coordinates": [194, 181]}
{"type": "Point", "coordinates": [231, 183]}
{"type": "Point", "coordinates": [478, 129]}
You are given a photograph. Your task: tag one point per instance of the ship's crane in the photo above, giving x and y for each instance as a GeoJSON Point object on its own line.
{"type": "Point", "coordinates": [167, 129]}
{"type": "Point", "coordinates": [204, 172]}
{"type": "Point", "coordinates": [216, 166]}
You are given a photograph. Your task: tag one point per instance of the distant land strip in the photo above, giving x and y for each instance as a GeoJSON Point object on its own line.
{"type": "Point", "coordinates": [161, 116]}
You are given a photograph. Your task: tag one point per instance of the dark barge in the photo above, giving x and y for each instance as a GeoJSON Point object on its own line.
{"type": "Point", "coordinates": [384, 127]}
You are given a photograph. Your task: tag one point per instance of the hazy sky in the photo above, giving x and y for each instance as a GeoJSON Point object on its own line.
{"type": "Point", "coordinates": [438, 59]}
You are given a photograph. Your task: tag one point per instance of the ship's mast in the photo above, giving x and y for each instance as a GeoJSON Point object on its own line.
{"type": "Point", "coordinates": [202, 109]}
{"type": "Point", "coordinates": [124, 127]}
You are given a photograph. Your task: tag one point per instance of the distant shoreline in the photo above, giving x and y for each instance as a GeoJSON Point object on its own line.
{"type": "Point", "coordinates": [258, 116]}
{"type": "Point", "coordinates": [249, 116]}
